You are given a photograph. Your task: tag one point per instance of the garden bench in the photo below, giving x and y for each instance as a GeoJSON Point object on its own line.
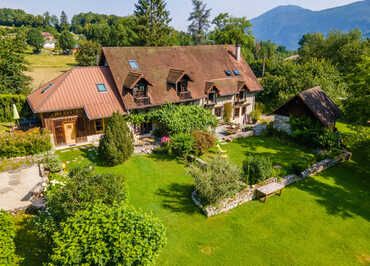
{"type": "Point", "coordinates": [269, 190]}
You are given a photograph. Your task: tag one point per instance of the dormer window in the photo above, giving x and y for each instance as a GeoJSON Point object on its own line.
{"type": "Point", "coordinates": [140, 90]}
{"type": "Point", "coordinates": [179, 80]}
{"type": "Point", "coordinates": [182, 85]}
{"type": "Point", "coordinates": [133, 64]}
{"type": "Point", "coordinates": [212, 96]}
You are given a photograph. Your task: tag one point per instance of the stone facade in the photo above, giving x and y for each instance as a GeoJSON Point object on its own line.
{"type": "Point", "coordinates": [281, 123]}
{"type": "Point", "coordinates": [249, 193]}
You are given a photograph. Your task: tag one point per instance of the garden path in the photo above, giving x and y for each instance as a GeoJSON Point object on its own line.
{"type": "Point", "coordinates": [16, 187]}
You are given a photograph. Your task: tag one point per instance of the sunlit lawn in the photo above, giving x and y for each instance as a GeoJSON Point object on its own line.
{"type": "Point", "coordinates": [323, 220]}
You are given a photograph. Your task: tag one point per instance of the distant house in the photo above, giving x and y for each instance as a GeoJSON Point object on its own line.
{"type": "Point", "coordinates": [313, 103]}
{"type": "Point", "coordinates": [137, 79]}
{"type": "Point", "coordinates": [49, 40]}
{"type": "Point", "coordinates": [292, 58]}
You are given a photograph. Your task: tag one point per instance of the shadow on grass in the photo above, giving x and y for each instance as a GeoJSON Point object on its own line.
{"type": "Point", "coordinates": [177, 198]}
{"type": "Point", "coordinates": [350, 197]}
{"type": "Point", "coordinates": [29, 246]}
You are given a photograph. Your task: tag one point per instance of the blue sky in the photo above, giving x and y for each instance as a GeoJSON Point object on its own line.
{"type": "Point", "coordinates": [179, 9]}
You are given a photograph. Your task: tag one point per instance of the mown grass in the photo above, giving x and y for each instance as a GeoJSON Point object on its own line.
{"type": "Point", "coordinates": [324, 220]}
{"type": "Point", "coordinates": [44, 68]}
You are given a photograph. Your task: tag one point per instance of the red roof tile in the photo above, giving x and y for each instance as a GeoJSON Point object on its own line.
{"type": "Point", "coordinates": [77, 88]}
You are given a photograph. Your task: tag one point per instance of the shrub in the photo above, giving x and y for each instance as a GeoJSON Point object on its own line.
{"type": "Point", "coordinates": [102, 235]}
{"type": "Point", "coordinates": [80, 187]}
{"type": "Point", "coordinates": [25, 143]}
{"type": "Point", "coordinates": [257, 111]}
{"type": "Point", "coordinates": [228, 109]}
{"type": "Point", "coordinates": [181, 144]}
{"type": "Point", "coordinates": [52, 164]}
{"type": "Point", "coordinates": [203, 141]}
{"type": "Point", "coordinates": [7, 235]}
{"type": "Point", "coordinates": [6, 110]}
{"type": "Point", "coordinates": [257, 169]}
{"type": "Point", "coordinates": [299, 166]}
{"type": "Point", "coordinates": [216, 181]}
{"type": "Point", "coordinates": [116, 146]}
{"type": "Point", "coordinates": [174, 119]}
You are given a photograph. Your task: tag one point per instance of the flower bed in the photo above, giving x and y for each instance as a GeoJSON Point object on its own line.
{"type": "Point", "coordinates": [249, 193]}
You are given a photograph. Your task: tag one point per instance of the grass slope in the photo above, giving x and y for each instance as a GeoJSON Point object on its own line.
{"type": "Point", "coordinates": [44, 68]}
{"type": "Point", "coordinates": [323, 220]}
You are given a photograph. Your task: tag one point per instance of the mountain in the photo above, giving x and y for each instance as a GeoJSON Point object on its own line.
{"type": "Point", "coordinates": [285, 25]}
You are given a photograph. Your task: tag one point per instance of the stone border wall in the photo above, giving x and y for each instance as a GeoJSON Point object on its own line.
{"type": "Point", "coordinates": [249, 193]}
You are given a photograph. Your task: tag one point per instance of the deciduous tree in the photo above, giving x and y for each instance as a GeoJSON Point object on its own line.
{"type": "Point", "coordinates": [87, 54]}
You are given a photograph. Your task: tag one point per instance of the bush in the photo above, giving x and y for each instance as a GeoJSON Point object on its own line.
{"type": "Point", "coordinates": [52, 164]}
{"type": "Point", "coordinates": [257, 169]}
{"type": "Point", "coordinates": [116, 146]}
{"type": "Point", "coordinates": [299, 166]}
{"type": "Point", "coordinates": [181, 144]}
{"type": "Point", "coordinates": [102, 235]}
{"type": "Point", "coordinates": [174, 119]}
{"type": "Point", "coordinates": [217, 181]}
{"type": "Point", "coordinates": [25, 143]}
{"type": "Point", "coordinates": [203, 141]}
{"type": "Point", "coordinates": [257, 111]}
{"type": "Point", "coordinates": [6, 110]}
{"type": "Point", "coordinates": [82, 186]}
{"type": "Point", "coordinates": [228, 109]}
{"type": "Point", "coordinates": [7, 235]}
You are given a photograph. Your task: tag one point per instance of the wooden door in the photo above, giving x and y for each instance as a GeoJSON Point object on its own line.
{"type": "Point", "coordinates": [59, 134]}
{"type": "Point", "coordinates": [70, 133]}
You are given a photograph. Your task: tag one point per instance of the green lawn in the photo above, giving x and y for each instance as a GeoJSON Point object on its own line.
{"type": "Point", "coordinates": [323, 220]}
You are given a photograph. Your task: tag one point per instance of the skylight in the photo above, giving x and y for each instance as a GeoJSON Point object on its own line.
{"type": "Point", "coordinates": [228, 72]}
{"type": "Point", "coordinates": [133, 64]}
{"type": "Point", "coordinates": [48, 87]}
{"type": "Point", "coordinates": [236, 72]}
{"type": "Point", "coordinates": [101, 88]}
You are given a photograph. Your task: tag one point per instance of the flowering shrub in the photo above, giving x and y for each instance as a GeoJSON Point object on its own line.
{"type": "Point", "coordinates": [203, 141]}
{"type": "Point", "coordinates": [24, 143]}
{"type": "Point", "coordinates": [165, 140]}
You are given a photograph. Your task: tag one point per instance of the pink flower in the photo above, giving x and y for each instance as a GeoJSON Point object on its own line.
{"type": "Point", "coordinates": [165, 139]}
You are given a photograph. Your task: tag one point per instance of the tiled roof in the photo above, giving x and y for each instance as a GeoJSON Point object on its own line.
{"type": "Point", "coordinates": [77, 88]}
{"type": "Point", "coordinates": [162, 64]}
{"type": "Point", "coordinates": [321, 106]}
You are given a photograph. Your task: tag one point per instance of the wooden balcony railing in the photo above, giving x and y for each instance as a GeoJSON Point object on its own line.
{"type": "Point", "coordinates": [140, 101]}
{"type": "Point", "coordinates": [185, 95]}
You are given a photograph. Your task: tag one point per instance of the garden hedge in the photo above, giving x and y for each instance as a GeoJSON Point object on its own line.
{"type": "Point", "coordinates": [7, 234]}
{"type": "Point", "coordinates": [6, 110]}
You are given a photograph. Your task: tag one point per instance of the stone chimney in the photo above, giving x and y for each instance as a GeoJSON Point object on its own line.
{"type": "Point", "coordinates": [237, 52]}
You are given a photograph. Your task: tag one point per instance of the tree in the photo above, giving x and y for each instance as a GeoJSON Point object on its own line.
{"type": "Point", "coordinates": [64, 25]}
{"type": "Point", "coordinates": [116, 146]}
{"type": "Point", "coordinates": [200, 23]}
{"type": "Point", "coordinates": [81, 187]}
{"type": "Point", "coordinates": [46, 17]}
{"type": "Point", "coordinates": [54, 21]}
{"type": "Point", "coordinates": [153, 23]}
{"type": "Point", "coordinates": [35, 39]}
{"type": "Point", "coordinates": [103, 235]}
{"type": "Point", "coordinates": [12, 64]}
{"type": "Point", "coordinates": [87, 54]}
{"type": "Point", "coordinates": [66, 42]}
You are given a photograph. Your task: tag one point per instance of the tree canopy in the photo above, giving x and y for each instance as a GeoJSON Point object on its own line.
{"type": "Point", "coordinates": [87, 54]}
{"type": "Point", "coordinates": [66, 42]}
{"type": "Point", "coordinates": [200, 21]}
{"type": "Point", "coordinates": [35, 39]}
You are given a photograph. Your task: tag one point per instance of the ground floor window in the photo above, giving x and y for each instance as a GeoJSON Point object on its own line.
{"type": "Point", "coordinates": [142, 129]}
{"type": "Point", "coordinates": [99, 125]}
{"type": "Point", "coordinates": [218, 112]}
{"type": "Point", "coordinates": [236, 112]}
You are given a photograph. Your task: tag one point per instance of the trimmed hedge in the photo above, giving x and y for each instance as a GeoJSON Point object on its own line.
{"type": "Point", "coordinates": [25, 143]}
{"type": "Point", "coordinates": [7, 235]}
{"type": "Point", "coordinates": [6, 110]}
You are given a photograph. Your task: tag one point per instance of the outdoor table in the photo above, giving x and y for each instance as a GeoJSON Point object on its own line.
{"type": "Point", "coordinates": [269, 190]}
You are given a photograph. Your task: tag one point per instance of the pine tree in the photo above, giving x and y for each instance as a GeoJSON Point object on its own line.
{"type": "Point", "coordinates": [153, 23]}
{"type": "Point", "coordinates": [63, 21]}
{"type": "Point", "coordinates": [199, 21]}
{"type": "Point", "coordinates": [116, 146]}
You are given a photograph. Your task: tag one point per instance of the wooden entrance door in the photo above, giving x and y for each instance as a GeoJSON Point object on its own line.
{"type": "Point", "coordinates": [70, 133]}
{"type": "Point", "coordinates": [59, 134]}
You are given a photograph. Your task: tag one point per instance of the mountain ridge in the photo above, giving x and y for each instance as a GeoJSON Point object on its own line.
{"type": "Point", "coordinates": [286, 24]}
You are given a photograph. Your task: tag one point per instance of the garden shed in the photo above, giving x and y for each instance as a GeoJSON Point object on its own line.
{"type": "Point", "coordinates": [313, 103]}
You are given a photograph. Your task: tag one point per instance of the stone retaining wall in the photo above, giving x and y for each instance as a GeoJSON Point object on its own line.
{"type": "Point", "coordinates": [249, 193]}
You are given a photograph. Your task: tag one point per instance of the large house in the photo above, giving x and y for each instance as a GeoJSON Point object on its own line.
{"type": "Point", "coordinates": [136, 79]}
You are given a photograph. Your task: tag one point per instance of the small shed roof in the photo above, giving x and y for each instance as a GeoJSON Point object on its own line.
{"type": "Point", "coordinates": [321, 106]}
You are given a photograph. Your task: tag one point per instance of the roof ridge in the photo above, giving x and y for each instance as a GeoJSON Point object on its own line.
{"type": "Point", "coordinates": [173, 46]}
{"type": "Point", "coordinates": [56, 87]}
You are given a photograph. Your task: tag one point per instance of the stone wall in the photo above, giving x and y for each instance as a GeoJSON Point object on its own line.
{"type": "Point", "coordinates": [281, 123]}
{"type": "Point", "coordinates": [249, 193]}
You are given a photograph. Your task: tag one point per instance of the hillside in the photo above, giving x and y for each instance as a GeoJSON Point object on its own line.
{"type": "Point", "coordinates": [285, 25]}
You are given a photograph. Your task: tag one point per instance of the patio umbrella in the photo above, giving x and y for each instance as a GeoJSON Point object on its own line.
{"type": "Point", "coordinates": [15, 113]}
